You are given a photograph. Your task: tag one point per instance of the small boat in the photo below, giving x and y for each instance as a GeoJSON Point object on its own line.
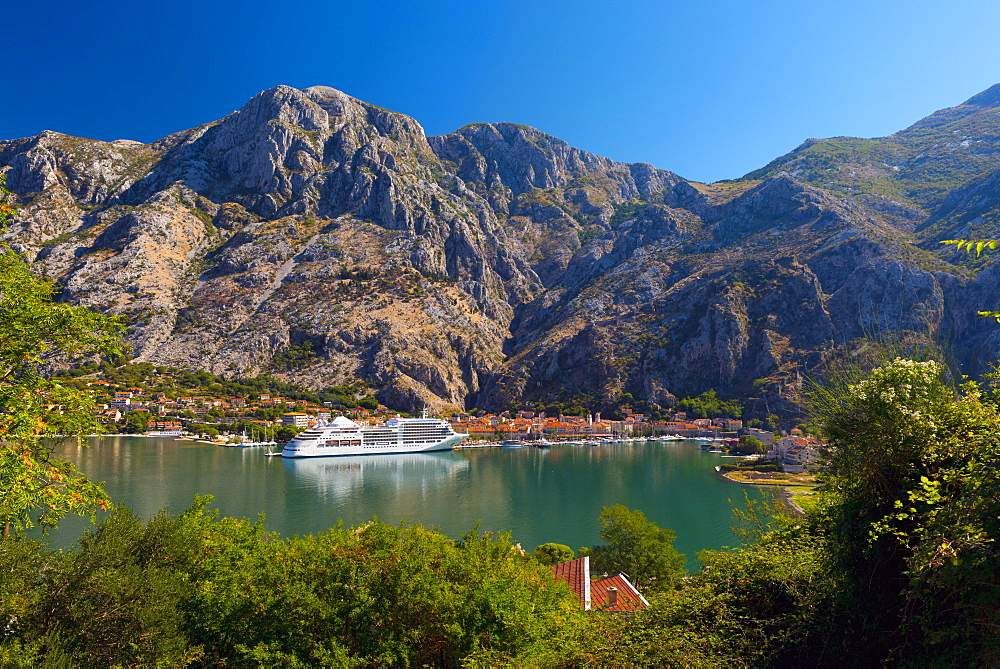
{"type": "Point", "coordinates": [512, 443]}
{"type": "Point", "coordinates": [542, 443]}
{"type": "Point", "coordinates": [250, 442]}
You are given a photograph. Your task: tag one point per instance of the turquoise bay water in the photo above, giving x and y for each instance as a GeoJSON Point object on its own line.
{"type": "Point", "coordinates": [538, 495]}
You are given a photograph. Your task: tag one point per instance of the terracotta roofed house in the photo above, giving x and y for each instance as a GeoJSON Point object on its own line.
{"type": "Point", "coordinates": [576, 574]}
{"type": "Point", "coordinates": [614, 593]}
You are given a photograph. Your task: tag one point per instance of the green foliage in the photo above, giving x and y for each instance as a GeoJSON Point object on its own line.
{"type": "Point", "coordinates": [203, 429]}
{"type": "Point", "coordinates": [118, 600]}
{"type": "Point", "coordinates": [709, 405]}
{"type": "Point", "coordinates": [971, 245]}
{"type": "Point", "coordinates": [34, 329]}
{"type": "Point", "coordinates": [296, 356]}
{"type": "Point", "coordinates": [636, 547]}
{"type": "Point", "coordinates": [882, 427]}
{"type": "Point", "coordinates": [550, 554]}
{"type": "Point", "coordinates": [748, 445]}
{"type": "Point", "coordinates": [136, 422]}
{"type": "Point", "coordinates": [341, 396]}
{"type": "Point", "coordinates": [824, 395]}
{"type": "Point", "coordinates": [625, 212]}
{"type": "Point", "coordinates": [21, 560]}
{"type": "Point", "coordinates": [757, 606]}
{"type": "Point", "coordinates": [913, 479]}
{"type": "Point", "coordinates": [197, 588]}
{"type": "Point", "coordinates": [368, 402]}
{"type": "Point", "coordinates": [174, 381]}
{"type": "Point", "coordinates": [39, 488]}
{"type": "Point", "coordinates": [753, 466]}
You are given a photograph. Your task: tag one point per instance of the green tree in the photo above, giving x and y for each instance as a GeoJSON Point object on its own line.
{"type": "Point", "coordinates": [136, 422]}
{"type": "Point", "coordinates": [913, 481]}
{"type": "Point", "coordinates": [368, 596]}
{"type": "Point", "coordinates": [37, 486]}
{"type": "Point", "coordinates": [550, 554]}
{"type": "Point", "coordinates": [708, 405]}
{"type": "Point", "coordinates": [638, 548]}
{"type": "Point", "coordinates": [748, 445]}
{"type": "Point", "coordinates": [116, 600]}
{"type": "Point", "coordinates": [368, 402]}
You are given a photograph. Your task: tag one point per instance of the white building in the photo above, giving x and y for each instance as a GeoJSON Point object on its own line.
{"type": "Point", "coordinates": [296, 419]}
{"type": "Point", "coordinates": [797, 454]}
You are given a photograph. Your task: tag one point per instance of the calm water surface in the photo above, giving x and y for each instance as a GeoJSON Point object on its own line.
{"type": "Point", "coordinates": [538, 495]}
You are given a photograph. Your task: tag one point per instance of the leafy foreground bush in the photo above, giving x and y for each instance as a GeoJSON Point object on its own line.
{"type": "Point", "coordinates": [914, 517]}
{"type": "Point", "coordinates": [197, 589]}
{"type": "Point", "coordinates": [897, 566]}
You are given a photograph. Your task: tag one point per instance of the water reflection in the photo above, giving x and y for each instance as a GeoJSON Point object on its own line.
{"type": "Point", "coordinates": [339, 477]}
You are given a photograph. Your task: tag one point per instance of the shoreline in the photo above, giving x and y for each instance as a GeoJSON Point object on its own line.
{"type": "Point", "coordinates": [786, 495]}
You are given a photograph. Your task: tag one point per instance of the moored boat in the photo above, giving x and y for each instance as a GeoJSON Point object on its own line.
{"type": "Point", "coordinates": [342, 436]}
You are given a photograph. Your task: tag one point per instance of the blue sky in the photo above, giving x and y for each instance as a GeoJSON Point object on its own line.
{"type": "Point", "coordinates": [710, 90]}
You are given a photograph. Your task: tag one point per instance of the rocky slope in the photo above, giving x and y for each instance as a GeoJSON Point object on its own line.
{"type": "Point", "coordinates": [320, 238]}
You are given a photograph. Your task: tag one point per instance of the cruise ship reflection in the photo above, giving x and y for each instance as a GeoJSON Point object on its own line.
{"type": "Point", "coordinates": [342, 476]}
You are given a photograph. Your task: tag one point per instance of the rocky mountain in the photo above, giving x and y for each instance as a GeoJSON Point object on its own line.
{"type": "Point", "coordinates": [322, 239]}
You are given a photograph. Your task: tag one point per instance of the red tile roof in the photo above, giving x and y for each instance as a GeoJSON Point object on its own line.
{"type": "Point", "coordinates": [577, 574]}
{"type": "Point", "coordinates": [594, 594]}
{"type": "Point", "coordinates": [629, 598]}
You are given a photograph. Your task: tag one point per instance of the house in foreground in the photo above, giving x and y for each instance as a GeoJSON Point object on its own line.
{"type": "Point", "coordinates": [613, 593]}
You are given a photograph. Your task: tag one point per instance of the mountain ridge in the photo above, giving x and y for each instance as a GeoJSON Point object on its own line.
{"type": "Point", "coordinates": [497, 263]}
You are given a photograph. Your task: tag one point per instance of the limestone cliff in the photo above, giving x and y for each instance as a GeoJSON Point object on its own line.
{"type": "Point", "coordinates": [320, 238]}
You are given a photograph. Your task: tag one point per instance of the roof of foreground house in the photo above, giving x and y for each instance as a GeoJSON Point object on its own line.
{"type": "Point", "coordinates": [595, 594]}
{"type": "Point", "coordinates": [576, 573]}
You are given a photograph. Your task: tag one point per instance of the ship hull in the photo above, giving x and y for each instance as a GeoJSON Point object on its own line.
{"type": "Point", "coordinates": [447, 445]}
{"type": "Point", "coordinates": [343, 437]}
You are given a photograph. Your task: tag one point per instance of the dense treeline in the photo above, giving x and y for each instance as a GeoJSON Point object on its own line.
{"type": "Point", "coordinates": [199, 589]}
{"type": "Point", "coordinates": [709, 405]}
{"type": "Point", "coordinates": [175, 381]}
{"type": "Point", "coordinates": [706, 405]}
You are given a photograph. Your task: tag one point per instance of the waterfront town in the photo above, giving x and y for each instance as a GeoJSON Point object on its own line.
{"type": "Point", "coordinates": [137, 411]}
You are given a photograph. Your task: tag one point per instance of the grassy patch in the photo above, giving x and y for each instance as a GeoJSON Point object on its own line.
{"type": "Point", "coordinates": [773, 478]}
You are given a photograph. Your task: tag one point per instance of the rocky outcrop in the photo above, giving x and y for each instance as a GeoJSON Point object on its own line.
{"type": "Point", "coordinates": [322, 239]}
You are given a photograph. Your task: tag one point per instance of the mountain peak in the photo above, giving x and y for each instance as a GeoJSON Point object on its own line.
{"type": "Point", "coordinates": [987, 99]}
{"type": "Point", "coordinates": [970, 109]}
{"type": "Point", "coordinates": [325, 91]}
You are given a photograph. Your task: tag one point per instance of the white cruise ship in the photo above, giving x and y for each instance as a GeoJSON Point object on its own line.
{"type": "Point", "coordinates": [342, 436]}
